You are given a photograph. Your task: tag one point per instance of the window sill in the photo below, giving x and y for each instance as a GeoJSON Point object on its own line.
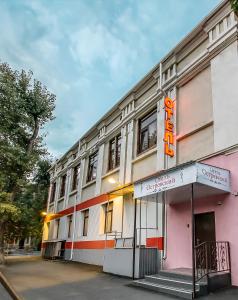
{"type": "Point", "coordinates": [60, 199]}
{"type": "Point", "coordinates": [145, 154]}
{"type": "Point", "coordinates": [73, 192]}
{"type": "Point", "coordinates": [89, 183]}
{"type": "Point", "coordinates": [111, 172]}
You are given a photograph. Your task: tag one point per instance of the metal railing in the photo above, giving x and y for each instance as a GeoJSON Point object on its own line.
{"type": "Point", "coordinates": [211, 257]}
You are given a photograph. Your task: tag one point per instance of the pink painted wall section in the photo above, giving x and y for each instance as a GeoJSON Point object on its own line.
{"type": "Point", "coordinates": [226, 219]}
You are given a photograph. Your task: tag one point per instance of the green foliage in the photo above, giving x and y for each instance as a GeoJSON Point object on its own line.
{"type": "Point", "coordinates": [9, 213]}
{"type": "Point", "coordinates": [234, 5]}
{"type": "Point", "coordinates": [32, 200]}
{"type": "Point", "coordinates": [25, 107]}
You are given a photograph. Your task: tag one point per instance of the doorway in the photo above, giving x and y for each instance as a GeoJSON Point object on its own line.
{"type": "Point", "coordinates": [205, 231]}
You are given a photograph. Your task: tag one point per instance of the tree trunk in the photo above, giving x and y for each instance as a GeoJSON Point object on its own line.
{"type": "Point", "coordinates": [2, 258]}
{"type": "Point", "coordinates": [33, 137]}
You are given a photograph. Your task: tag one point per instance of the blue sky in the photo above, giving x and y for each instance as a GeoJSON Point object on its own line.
{"type": "Point", "coordinates": [91, 52]}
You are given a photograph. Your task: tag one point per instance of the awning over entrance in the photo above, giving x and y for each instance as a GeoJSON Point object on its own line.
{"type": "Point", "coordinates": [208, 180]}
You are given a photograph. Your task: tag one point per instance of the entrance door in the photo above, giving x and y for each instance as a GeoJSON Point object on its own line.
{"type": "Point", "coordinates": [205, 228]}
{"type": "Point", "coordinates": [205, 232]}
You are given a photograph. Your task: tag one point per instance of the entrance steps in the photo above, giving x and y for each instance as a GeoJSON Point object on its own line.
{"type": "Point", "coordinates": [174, 283]}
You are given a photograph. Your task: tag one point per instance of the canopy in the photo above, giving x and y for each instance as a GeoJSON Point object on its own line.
{"type": "Point", "coordinates": [208, 180]}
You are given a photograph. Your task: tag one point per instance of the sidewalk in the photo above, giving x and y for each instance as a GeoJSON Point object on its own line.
{"type": "Point", "coordinates": [3, 293]}
{"type": "Point", "coordinates": [36, 279]}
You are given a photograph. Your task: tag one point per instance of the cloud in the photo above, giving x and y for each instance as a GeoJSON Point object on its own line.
{"type": "Point", "coordinates": [97, 45]}
{"type": "Point", "coordinates": [90, 53]}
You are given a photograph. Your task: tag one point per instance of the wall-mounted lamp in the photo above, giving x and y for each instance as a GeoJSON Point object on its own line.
{"type": "Point", "coordinates": [112, 180]}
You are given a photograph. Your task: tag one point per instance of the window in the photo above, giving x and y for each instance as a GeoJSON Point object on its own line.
{"type": "Point", "coordinates": [47, 231]}
{"type": "Point", "coordinates": [76, 172]}
{"type": "Point", "coordinates": [147, 132]}
{"type": "Point", "coordinates": [85, 222]}
{"type": "Point", "coordinates": [92, 167]}
{"type": "Point", "coordinates": [62, 187]}
{"type": "Point", "coordinates": [114, 152]}
{"type": "Point", "coordinates": [57, 224]}
{"type": "Point", "coordinates": [108, 217]}
{"type": "Point", "coordinates": [52, 195]}
{"type": "Point", "coordinates": [70, 220]}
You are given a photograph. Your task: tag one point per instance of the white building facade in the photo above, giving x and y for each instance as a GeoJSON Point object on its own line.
{"type": "Point", "coordinates": [184, 109]}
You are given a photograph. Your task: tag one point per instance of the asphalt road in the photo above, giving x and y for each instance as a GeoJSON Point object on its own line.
{"type": "Point", "coordinates": [43, 280]}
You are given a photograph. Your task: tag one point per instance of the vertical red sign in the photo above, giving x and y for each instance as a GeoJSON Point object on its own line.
{"type": "Point", "coordinates": [169, 127]}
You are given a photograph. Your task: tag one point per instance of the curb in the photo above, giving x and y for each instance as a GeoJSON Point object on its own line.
{"type": "Point", "coordinates": [6, 284]}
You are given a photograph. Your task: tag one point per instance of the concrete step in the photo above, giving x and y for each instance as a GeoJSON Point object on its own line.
{"type": "Point", "coordinates": [175, 291]}
{"type": "Point", "coordinates": [173, 282]}
{"type": "Point", "coordinates": [175, 275]}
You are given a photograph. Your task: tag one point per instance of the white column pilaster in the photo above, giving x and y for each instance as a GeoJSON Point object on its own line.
{"type": "Point", "coordinates": [81, 178]}
{"type": "Point", "coordinates": [67, 187]}
{"type": "Point", "coordinates": [57, 191]}
{"type": "Point", "coordinates": [99, 170]}
{"type": "Point", "coordinates": [129, 151]}
{"type": "Point", "coordinates": [49, 195]}
{"type": "Point", "coordinates": [123, 155]}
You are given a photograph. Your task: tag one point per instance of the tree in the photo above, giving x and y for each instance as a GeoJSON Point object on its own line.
{"type": "Point", "coordinates": [25, 107]}
{"type": "Point", "coordinates": [32, 201]}
{"type": "Point", "coordinates": [9, 216]}
{"type": "Point", "coordinates": [234, 6]}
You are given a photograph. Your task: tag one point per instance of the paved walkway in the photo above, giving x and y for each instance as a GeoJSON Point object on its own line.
{"type": "Point", "coordinates": [43, 280]}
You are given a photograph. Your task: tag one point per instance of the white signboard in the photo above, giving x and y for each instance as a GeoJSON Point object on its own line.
{"type": "Point", "coordinates": [197, 172]}
{"type": "Point", "coordinates": [213, 176]}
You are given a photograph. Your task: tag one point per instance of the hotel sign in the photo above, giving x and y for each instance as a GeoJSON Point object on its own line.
{"type": "Point", "coordinates": [169, 127]}
{"type": "Point", "coordinates": [196, 172]}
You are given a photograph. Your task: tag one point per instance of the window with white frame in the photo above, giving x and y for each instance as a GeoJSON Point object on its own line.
{"type": "Point", "coordinates": [92, 167]}
{"type": "Point", "coordinates": [76, 172]}
{"type": "Point", "coordinates": [85, 222]}
{"type": "Point", "coordinates": [108, 217]}
{"type": "Point", "coordinates": [70, 221]}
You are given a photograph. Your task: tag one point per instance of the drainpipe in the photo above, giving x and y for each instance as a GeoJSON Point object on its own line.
{"type": "Point", "coordinates": [134, 242]}
{"type": "Point", "coordinates": [164, 208]}
{"type": "Point", "coordinates": [74, 225]}
{"type": "Point", "coordinates": [193, 241]}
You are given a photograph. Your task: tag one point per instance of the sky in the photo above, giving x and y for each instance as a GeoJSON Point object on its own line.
{"type": "Point", "coordinates": [89, 53]}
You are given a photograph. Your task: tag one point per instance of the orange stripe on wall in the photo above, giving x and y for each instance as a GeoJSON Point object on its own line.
{"type": "Point", "coordinates": [80, 206]}
{"type": "Point", "coordinates": [155, 242]}
{"type": "Point", "coordinates": [101, 244]}
{"type": "Point", "coordinates": [92, 202]}
{"type": "Point", "coordinates": [43, 245]}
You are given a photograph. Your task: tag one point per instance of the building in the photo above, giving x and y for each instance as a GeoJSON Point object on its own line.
{"type": "Point", "coordinates": [153, 184]}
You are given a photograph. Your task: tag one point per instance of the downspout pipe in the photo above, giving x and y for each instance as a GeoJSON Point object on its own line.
{"type": "Point", "coordinates": [134, 242]}
{"type": "Point", "coordinates": [164, 210]}
{"type": "Point", "coordinates": [73, 236]}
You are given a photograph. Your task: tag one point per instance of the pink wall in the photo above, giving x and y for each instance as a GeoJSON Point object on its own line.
{"type": "Point", "coordinates": [226, 218]}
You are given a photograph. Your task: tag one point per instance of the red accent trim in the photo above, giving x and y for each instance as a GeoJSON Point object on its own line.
{"type": "Point", "coordinates": [155, 242]}
{"type": "Point", "coordinates": [43, 245]}
{"type": "Point", "coordinates": [92, 202]}
{"type": "Point", "coordinates": [100, 244]}
{"type": "Point", "coordinates": [80, 206]}
{"type": "Point", "coordinates": [66, 211]}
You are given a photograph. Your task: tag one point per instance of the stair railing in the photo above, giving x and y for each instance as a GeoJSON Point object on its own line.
{"type": "Point", "coordinates": [211, 257]}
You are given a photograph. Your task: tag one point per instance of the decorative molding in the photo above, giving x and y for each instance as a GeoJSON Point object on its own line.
{"type": "Point", "coordinates": [183, 136]}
